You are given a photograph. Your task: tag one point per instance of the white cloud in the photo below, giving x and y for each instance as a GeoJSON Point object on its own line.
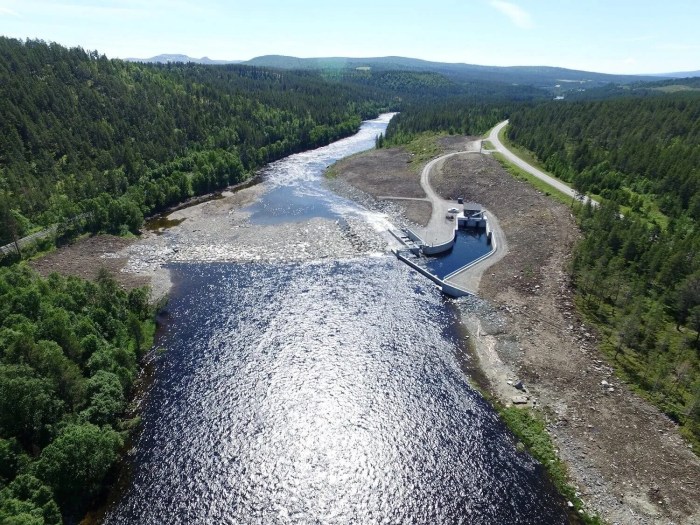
{"type": "Point", "coordinates": [517, 14]}
{"type": "Point", "coordinates": [4, 11]}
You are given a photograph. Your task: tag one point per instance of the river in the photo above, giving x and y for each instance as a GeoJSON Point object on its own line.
{"type": "Point", "coordinates": [322, 391]}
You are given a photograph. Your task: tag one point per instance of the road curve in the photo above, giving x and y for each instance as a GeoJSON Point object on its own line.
{"type": "Point", "coordinates": [514, 159]}
{"type": "Point", "coordinates": [440, 230]}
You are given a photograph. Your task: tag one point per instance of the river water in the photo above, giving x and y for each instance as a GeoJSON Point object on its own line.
{"type": "Point", "coordinates": [320, 392]}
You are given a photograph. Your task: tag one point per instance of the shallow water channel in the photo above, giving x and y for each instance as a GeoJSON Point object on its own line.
{"type": "Point", "coordinates": [324, 392]}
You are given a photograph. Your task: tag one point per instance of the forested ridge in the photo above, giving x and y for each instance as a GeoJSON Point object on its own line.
{"type": "Point", "coordinates": [109, 141]}
{"type": "Point", "coordinates": [82, 134]}
{"type": "Point", "coordinates": [461, 73]}
{"type": "Point", "coordinates": [637, 270]}
{"type": "Point", "coordinates": [472, 110]}
{"type": "Point", "coordinates": [69, 356]}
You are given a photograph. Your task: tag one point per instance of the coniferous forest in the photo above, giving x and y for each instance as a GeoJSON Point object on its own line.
{"type": "Point", "coordinates": [112, 141]}
{"type": "Point", "coordinates": [637, 270]}
{"type": "Point", "coordinates": [95, 145]}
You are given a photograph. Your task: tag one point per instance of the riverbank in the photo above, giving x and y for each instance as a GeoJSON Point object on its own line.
{"type": "Point", "coordinates": [625, 459]}
{"type": "Point", "coordinates": [217, 230]}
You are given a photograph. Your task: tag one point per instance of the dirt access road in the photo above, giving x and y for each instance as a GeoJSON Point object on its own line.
{"type": "Point", "coordinates": [626, 459]}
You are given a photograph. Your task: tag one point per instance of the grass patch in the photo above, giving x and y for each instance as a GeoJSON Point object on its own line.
{"type": "Point", "coordinates": [486, 145]}
{"type": "Point", "coordinates": [424, 148]}
{"type": "Point", "coordinates": [39, 248]}
{"type": "Point", "coordinates": [331, 172]}
{"type": "Point", "coordinates": [530, 428]}
{"type": "Point", "coordinates": [148, 328]}
{"type": "Point", "coordinates": [538, 184]}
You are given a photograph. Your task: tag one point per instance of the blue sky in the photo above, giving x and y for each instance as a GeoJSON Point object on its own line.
{"type": "Point", "coordinates": [612, 36]}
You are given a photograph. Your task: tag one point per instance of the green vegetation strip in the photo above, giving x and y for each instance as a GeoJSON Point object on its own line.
{"type": "Point", "coordinates": [423, 148]}
{"type": "Point", "coordinates": [537, 183]}
{"type": "Point", "coordinates": [531, 429]}
{"type": "Point", "coordinates": [520, 152]}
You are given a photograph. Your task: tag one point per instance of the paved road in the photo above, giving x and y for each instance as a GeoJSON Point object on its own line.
{"type": "Point", "coordinates": [493, 138]}
{"type": "Point", "coordinates": [440, 230]}
{"type": "Point", "coordinates": [37, 236]}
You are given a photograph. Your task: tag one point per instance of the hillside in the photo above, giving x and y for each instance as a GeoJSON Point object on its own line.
{"type": "Point", "coordinates": [111, 141]}
{"type": "Point", "coordinates": [637, 271]}
{"type": "Point", "coordinates": [539, 76]}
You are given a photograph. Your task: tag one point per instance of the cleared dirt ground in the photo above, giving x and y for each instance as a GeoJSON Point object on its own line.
{"type": "Point", "coordinates": [626, 459]}
{"type": "Point", "coordinates": [87, 256]}
{"type": "Point", "coordinates": [395, 185]}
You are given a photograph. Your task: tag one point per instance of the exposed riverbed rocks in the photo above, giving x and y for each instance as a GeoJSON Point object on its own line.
{"type": "Point", "coordinates": [218, 230]}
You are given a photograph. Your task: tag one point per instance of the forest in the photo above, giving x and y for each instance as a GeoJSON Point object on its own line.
{"type": "Point", "coordinates": [70, 353]}
{"type": "Point", "coordinates": [112, 141]}
{"type": "Point", "coordinates": [473, 111]}
{"type": "Point", "coordinates": [637, 269]}
{"type": "Point", "coordinates": [93, 144]}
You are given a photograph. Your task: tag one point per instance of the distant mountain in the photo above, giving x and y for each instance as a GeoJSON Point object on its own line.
{"type": "Point", "coordinates": [681, 74]}
{"type": "Point", "coordinates": [165, 59]}
{"type": "Point", "coordinates": [541, 76]}
{"type": "Point", "coordinates": [552, 78]}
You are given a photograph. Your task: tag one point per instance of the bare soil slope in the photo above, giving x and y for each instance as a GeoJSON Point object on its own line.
{"type": "Point", "coordinates": [395, 185]}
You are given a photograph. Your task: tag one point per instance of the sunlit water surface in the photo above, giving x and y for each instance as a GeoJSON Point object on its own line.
{"type": "Point", "coordinates": [323, 393]}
